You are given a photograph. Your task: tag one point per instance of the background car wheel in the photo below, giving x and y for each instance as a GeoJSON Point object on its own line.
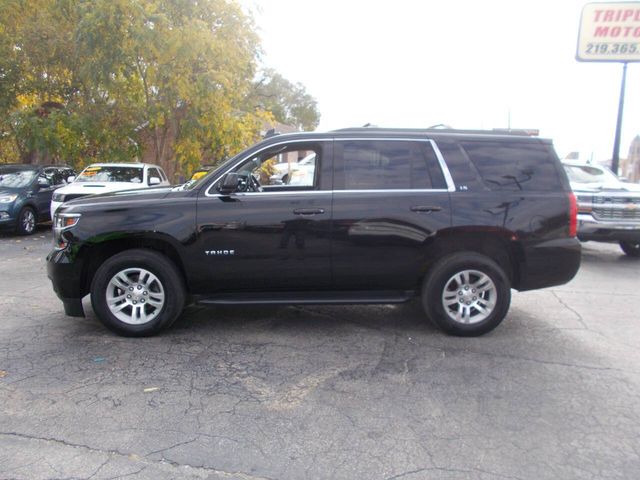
{"type": "Point", "coordinates": [137, 293]}
{"type": "Point", "coordinates": [466, 294]}
{"type": "Point", "coordinates": [26, 221]}
{"type": "Point", "coordinates": [631, 248]}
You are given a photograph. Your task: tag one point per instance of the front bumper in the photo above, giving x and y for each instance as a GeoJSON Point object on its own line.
{"type": "Point", "coordinates": [9, 215]}
{"type": "Point", "coordinates": [8, 223]}
{"type": "Point", "coordinates": [606, 231]}
{"type": "Point", "coordinates": [66, 278]}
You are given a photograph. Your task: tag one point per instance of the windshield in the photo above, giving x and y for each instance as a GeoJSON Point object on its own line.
{"type": "Point", "coordinates": [16, 179]}
{"type": "Point", "coordinates": [589, 174]}
{"type": "Point", "coordinates": [111, 174]}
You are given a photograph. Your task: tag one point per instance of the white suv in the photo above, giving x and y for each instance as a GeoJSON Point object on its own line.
{"type": "Point", "coordinates": [109, 177]}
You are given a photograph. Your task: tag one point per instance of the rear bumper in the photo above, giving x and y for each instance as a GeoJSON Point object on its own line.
{"type": "Point", "coordinates": [66, 279]}
{"type": "Point", "coordinates": [606, 231]}
{"type": "Point", "coordinates": [550, 263]}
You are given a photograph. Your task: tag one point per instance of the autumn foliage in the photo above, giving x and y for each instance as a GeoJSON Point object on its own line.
{"type": "Point", "coordinates": [174, 82]}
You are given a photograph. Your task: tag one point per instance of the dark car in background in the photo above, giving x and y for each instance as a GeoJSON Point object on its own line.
{"type": "Point", "coordinates": [25, 194]}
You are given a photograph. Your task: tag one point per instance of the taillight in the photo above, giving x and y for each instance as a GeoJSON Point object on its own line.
{"type": "Point", "coordinates": [573, 215]}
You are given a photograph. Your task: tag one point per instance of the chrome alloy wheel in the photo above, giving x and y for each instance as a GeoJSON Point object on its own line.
{"type": "Point", "coordinates": [135, 296]}
{"type": "Point", "coordinates": [469, 297]}
{"type": "Point", "coordinates": [28, 221]}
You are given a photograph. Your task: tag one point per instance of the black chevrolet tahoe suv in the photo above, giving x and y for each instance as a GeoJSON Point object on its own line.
{"type": "Point", "coordinates": [366, 215]}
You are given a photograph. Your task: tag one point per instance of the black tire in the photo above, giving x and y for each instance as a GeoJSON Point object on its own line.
{"type": "Point", "coordinates": [168, 277]}
{"type": "Point", "coordinates": [631, 248]}
{"type": "Point", "coordinates": [442, 273]}
{"type": "Point", "coordinates": [27, 221]}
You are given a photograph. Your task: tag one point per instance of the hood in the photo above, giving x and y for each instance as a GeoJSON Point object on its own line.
{"type": "Point", "coordinates": [605, 187]}
{"type": "Point", "coordinates": [93, 188]}
{"type": "Point", "coordinates": [10, 191]}
{"type": "Point", "coordinates": [125, 196]}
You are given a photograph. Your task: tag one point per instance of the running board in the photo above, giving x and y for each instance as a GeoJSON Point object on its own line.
{"type": "Point", "coordinates": [308, 298]}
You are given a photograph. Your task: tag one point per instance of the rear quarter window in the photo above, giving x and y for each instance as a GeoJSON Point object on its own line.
{"type": "Point", "coordinates": [514, 166]}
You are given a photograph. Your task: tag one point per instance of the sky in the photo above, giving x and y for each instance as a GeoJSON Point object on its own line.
{"type": "Point", "coordinates": [466, 64]}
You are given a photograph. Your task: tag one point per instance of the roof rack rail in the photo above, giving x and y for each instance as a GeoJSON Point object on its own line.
{"type": "Point", "coordinates": [443, 129]}
{"type": "Point", "coordinates": [271, 133]}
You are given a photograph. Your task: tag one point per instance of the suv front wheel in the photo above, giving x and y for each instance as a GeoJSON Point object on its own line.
{"type": "Point", "coordinates": [466, 294]}
{"type": "Point", "coordinates": [137, 293]}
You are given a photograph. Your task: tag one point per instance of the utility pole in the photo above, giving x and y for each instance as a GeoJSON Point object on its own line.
{"type": "Point", "coordinates": [615, 159]}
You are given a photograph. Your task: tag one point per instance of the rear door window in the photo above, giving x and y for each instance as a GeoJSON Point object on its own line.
{"type": "Point", "coordinates": [386, 165]}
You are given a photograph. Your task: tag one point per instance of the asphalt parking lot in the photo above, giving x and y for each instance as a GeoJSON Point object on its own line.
{"type": "Point", "coordinates": [362, 392]}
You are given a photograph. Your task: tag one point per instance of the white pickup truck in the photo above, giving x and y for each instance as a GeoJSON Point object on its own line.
{"type": "Point", "coordinates": [608, 209]}
{"type": "Point", "coordinates": [109, 177]}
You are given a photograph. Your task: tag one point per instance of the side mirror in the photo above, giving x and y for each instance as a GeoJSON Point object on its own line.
{"type": "Point", "coordinates": [71, 178]}
{"type": "Point", "coordinates": [43, 182]}
{"type": "Point", "coordinates": [154, 181]}
{"type": "Point", "coordinates": [229, 184]}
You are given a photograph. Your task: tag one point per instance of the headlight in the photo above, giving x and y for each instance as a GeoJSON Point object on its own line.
{"type": "Point", "coordinates": [63, 221]}
{"type": "Point", "coordinates": [8, 198]}
{"type": "Point", "coordinates": [585, 203]}
{"type": "Point", "coordinates": [58, 197]}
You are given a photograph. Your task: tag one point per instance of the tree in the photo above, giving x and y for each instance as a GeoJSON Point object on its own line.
{"type": "Point", "coordinates": [160, 80]}
{"type": "Point", "coordinates": [289, 103]}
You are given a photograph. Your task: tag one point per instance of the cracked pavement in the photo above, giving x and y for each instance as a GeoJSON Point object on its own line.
{"type": "Point", "coordinates": [350, 392]}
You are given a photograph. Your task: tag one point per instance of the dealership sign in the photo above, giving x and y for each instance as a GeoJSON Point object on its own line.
{"type": "Point", "coordinates": [609, 32]}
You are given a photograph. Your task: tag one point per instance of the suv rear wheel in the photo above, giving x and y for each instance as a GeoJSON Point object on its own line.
{"type": "Point", "coordinates": [631, 248]}
{"type": "Point", "coordinates": [466, 294]}
{"type": "Point", "coordinates": [137, 293]}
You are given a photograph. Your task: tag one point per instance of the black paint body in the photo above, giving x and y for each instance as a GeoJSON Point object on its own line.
{"type": "Point", "coordinates": [354, 240]}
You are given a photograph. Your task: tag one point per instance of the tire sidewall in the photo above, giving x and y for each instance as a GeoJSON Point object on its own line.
{"type": "Point", "coordinates": [20, 226]}
{"type": "Point", "coordinates": [166, 273]}
{"type": "Point", "coordinates": [631, 248]}
{"type": "Point", "coordinates": [439, 276]}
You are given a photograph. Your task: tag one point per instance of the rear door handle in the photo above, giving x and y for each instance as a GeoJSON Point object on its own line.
{"type": "Point", "coordinates": [308, 211]}
{"type": "Point", "coordinates": [425, 208]}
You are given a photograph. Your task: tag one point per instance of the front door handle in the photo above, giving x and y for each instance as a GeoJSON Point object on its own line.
{"type": "Point", "coordinates": [308, 211]}
{"type": "Point", "coordinates": [425, 208]}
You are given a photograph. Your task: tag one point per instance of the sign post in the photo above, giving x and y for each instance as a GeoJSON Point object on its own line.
{"type": "Point", "coordinates": [610, 32]}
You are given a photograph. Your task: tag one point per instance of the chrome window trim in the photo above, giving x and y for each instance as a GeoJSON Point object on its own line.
{"type": "Point", "coordinates": [451, 186]}
{"type": "Point", "coordinates": [396, 190]}
{"type": "Point", "coordinates": [326, 192]}
{"type": "Point", "coordinates": [286, 192]}
{"type": "Point", "coordinates": [443, 166]}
